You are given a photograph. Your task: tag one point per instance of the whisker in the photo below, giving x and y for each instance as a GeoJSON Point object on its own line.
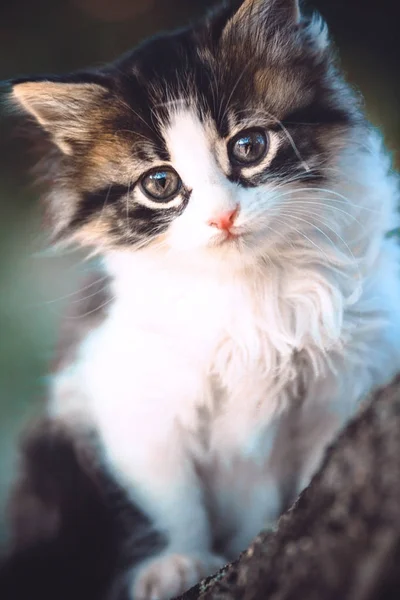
{"type": "Point", "coordinates": [76, 292]}
{"type": "Point", "coordinates": [354, 260]}
{"type": "Point", "coordinates": [90, 312]}
{"type": "Point", "coordinates": [133, 132]}
{"type": "Point", "coordinates": [303, 235]}
{"type": "Point", "coordinates": [125, 105]}
{"type": "Point", "coordinates": [322, 204]}
{"type": "Point", "coordinates": [339, 198]}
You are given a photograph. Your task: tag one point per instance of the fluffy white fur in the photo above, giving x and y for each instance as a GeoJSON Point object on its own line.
{"type": "Point", "coordinates": [207, 342]}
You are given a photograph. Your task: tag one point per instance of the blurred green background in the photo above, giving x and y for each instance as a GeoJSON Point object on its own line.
{"type": "Point", "coordinates": [39, 36]}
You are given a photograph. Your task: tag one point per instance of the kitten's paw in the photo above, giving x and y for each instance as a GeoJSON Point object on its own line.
{"type": "Point", "coordinates": [170, 575]}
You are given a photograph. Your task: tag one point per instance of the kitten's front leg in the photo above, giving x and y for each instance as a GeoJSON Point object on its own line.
{"type": "Point", "coordinates": [143, 417]}
{"type": "Point", "coordinates": [163, 482]}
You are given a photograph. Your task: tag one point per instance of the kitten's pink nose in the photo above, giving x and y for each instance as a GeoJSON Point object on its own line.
{"type": "Point", "coordinates": [225, 220]}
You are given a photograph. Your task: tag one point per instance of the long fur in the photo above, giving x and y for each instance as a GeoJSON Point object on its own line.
{"type": "Point", "coordinates": [221, 366]}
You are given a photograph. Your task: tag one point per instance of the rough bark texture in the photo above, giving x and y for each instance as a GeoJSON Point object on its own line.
{"type": "Point", "coordinates": [341, 540]}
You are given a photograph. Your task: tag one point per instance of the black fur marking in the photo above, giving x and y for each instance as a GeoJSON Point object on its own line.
{"type": "Point", "coordinates": [127, 226]}
{"type": "Point", "coordinates": [74, 529]}
{"type": "Point", "coordinates": [93, 202]}
{"type": "Point", "coordinates": [286, 164]}
{"type": "Point", "coordinates": [316, 113]}
{"type": "Point", "coordinates": [147, 222]}
{"type": "Point", "coordinates": [142, 224]}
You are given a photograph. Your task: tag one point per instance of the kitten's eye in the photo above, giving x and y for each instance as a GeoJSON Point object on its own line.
{"type": "Point", "coordinates": [248, 147]}
{"type": "Point", "coordinates": [161, 184]}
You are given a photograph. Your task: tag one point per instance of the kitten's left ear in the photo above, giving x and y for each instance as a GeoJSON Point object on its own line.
{"type": "Point", "coordinates": [67, 111]}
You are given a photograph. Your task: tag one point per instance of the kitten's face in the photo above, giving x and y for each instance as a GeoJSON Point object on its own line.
{"type": "Point", "coordinates": [197, 141]}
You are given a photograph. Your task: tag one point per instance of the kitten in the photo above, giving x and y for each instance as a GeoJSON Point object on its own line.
{"type": "Point", "coordinates": [240, 203]}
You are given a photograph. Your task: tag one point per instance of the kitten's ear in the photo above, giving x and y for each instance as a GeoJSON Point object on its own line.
{"type": "Point", "coordinates": [274, 12]}
{"type": "Point", "coordinates": [64, 110]}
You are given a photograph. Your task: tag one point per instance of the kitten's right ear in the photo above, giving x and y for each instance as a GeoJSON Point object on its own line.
{"type": "Point", "coordinates": [67, 111]}
{"type": "Point", "coordinates": [255, 13]}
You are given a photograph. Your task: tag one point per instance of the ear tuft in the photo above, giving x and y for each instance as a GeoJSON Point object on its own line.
{"type": "Point", "coordinates": [276, 12]}
{"type": "Point", "coordinates": [64, 110]}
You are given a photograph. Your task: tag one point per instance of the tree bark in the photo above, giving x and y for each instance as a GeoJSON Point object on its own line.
{"type": "Point", "coordinates": [341, 539]}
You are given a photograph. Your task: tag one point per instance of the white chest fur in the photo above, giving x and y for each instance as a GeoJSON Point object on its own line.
{"type": "Point", "coordinates": [184, 330]}
{"type": "Point", "coordinates": [173, 329]}
{"type": "Point", "coordinates": [179, 344]}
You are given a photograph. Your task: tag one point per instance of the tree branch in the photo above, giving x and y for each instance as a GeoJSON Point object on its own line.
{"type": "Point", "coordinates": [341, 539]}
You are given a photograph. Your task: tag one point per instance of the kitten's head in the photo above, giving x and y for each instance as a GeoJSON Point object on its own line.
{"type": "Point", "coordinates": [201, 140]}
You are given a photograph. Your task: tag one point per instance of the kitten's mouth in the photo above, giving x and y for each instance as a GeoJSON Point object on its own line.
{"type": "Point", "coordinates": [230, 236]}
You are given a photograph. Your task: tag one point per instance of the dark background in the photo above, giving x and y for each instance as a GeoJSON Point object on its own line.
{"type": "Point", "coordinates": [39, 36]}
